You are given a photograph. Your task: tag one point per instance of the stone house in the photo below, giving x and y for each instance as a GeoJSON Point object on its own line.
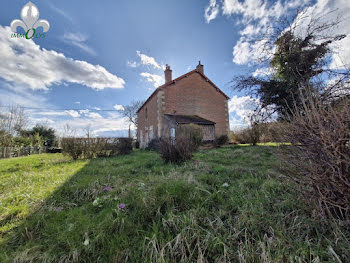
{"type": "Point", "coordinates": [190, 98]}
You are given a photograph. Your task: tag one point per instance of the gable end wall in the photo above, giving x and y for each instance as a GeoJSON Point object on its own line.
{"type": "Point", "coordinates": [144, 124]}
{"type": "Point", "coordinates": [194, 95]}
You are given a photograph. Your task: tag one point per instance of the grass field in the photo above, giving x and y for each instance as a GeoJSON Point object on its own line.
{"type": "Point", "coordinates": [226, 205]}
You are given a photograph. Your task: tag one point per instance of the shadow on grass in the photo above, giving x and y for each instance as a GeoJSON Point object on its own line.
{"type": "Point", "coordinates": [60, 229]}
{"type": "Point", "coordinates": [82, 221]}
{"type": "Point", "coordinates": [67, 226]}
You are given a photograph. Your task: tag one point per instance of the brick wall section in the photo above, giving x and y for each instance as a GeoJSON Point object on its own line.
{"type": "Point", "coordinates": [152, 120]}
{"type": "Point", "coordinates": [193, 95]}
{"type": "Point", "coordinates": [160, 111]}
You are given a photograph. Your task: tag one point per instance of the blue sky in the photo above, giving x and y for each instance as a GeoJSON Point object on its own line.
{"type": "Point", "coordinates": [101, 54]}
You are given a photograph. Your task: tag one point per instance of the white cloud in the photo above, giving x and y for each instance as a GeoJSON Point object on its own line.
{"type": "Point", "coordinates": [258, 16]}
{"type": "Point", "coordinates": [110, 122]}
{"type": "Point", "coordinates": [211, 11]}
{"type": "Point", "coordinates": [250, 30]}
{"type": "Point", "coordinates": [249, 9]}
{"type": "Point", "coordinates": [156, 79]}
{"type": "Point", "coordinates": [84, 111]}
{"type": "Point", "coordinates": [242, 52]}
{"type": "Point", "coordinates": [341, 55]}
{"type": "Point", "coordinates": [77, 102]}
{"type": "Point", "coordinates": [78, 40]}
{"type": "Point", "coordinates": [43, 121]}
{"type": "Point", "coordinates": [72, 113]}
{"type": "Point", "coordinates": [131, 64]}
{"type": "Point", "coordinates": [147, 60]}
{"type": "Point", "coordinates": [55, 113]}
{"type": "Point", "coordinates": [93, 115]}
{"type": "Point", "coordinates": [60, 11]}
{"type": "Point", "coordinates": [97, 123]}
{"type": "Point", "coordinates": [19, 95]}
{"type": "Point", "coordinates": [259, 9]}
{"type": "Point", "coordinates": [245, 52]}
{"type": "Point", "coordinates": [29, 65]}
{"type": "Point", "coordinates": [118, 107]}
{"type": "Point", "coordinates": [240, 108]}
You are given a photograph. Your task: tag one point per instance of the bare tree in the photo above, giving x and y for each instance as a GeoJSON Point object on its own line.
{"type": "Point", "coordinates": [12, 119]}
{"type": "Point", "coordinates": [68, 131]}
{"type": "Point", "coordinates": [130, 112]}
{"type": "Point", "coordinates": [88, 131]}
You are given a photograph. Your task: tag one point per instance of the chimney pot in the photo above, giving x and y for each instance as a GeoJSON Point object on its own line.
{"type": "Point", "coordinates": [200, 67]}
{"type": "Point", "coordinates": [167, 74]}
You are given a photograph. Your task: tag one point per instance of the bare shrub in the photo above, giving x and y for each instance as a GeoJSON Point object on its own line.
{"type": "Point", "coordinates": [242, 136]}
{"type": "Point", "coordinates": [320, 154]}
{"type": "Point", "coordinates": [257, 126]}
{"type": "Point", "coordinates": [249, 135]}
{"type": "Point", "coordinates": [273, 132]}
{"type": "Point", "coordinates": [254, 133]}
{"type": "Point", "coordinates": [177, 150]}
{"type": "Point", "coordinates": [193, 132]}
{"type": "Point", "coordinates": [124, 145]}
{"type": "Point", "coordinates": [95, 147]}
{"type": "Point", "coordinates": [72, 147]}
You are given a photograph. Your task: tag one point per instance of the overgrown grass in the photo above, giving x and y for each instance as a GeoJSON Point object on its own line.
{"type": "Point", "coordinates": [228, 205]}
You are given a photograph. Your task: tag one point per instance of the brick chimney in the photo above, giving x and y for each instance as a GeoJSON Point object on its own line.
{"type": "Point", "coordinates": [167, 73]}
{"type": "Point", "coordinates": [200, 67]}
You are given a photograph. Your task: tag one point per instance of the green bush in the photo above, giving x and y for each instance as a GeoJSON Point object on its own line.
{"type": "Point", "coordinates": [40, 136]}
{"type": "Point", "coordinates": [23, 141]}
{"type": "Point", "coordinates": [153, 145]}
{"type": "Point", "coordinates": [221, 140]}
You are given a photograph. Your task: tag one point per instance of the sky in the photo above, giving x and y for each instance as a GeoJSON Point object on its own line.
{"type": "Point", "coordinates": [100, 55]}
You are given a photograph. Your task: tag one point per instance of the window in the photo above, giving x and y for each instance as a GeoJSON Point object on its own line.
{"type": "Point", "coordinates": [172, 135]}
{"type": "Point", "coordinates": [151, 132]}
{"type": "Point", "coordinates": [146, 113]}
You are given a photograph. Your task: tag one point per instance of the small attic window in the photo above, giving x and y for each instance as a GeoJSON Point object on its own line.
{"type": "Point", "coordinates": [146, 113]}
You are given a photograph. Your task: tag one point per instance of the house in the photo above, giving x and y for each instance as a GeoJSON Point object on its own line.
{"type": "Point", "coordinates": [190, 98]}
